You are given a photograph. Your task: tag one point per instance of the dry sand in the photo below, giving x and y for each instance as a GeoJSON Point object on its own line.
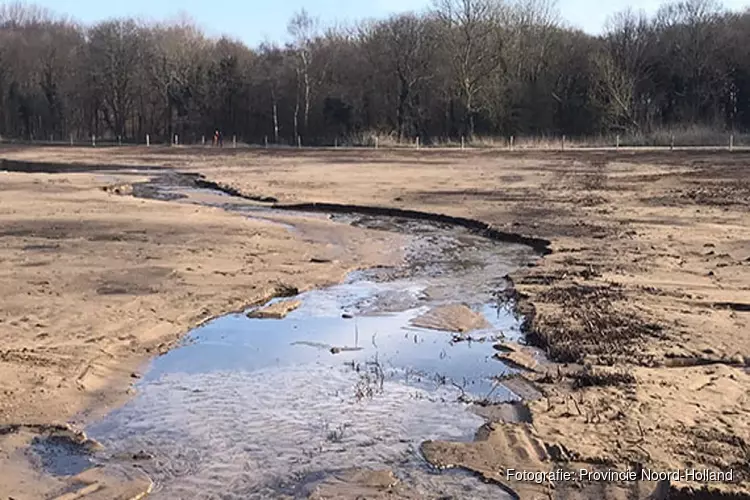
{"type": "Point", "coordinates": [644, 297]}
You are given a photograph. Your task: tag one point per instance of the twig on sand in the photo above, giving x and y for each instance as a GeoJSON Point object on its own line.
{"type": "Point", "coordinates": [576, 405]}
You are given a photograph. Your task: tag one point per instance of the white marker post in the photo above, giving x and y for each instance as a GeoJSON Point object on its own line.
{"type": "Point", "coordinates": [148, 140]}
{"type": "Point", "coordinates": [234, 141]}
{"type": "Point", "coordinates": [731, 142]}
{"type": "Point", "coordinates": [93, 140]}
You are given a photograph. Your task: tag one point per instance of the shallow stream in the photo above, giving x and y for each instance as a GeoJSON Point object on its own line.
{"type": "Point", "coordinates": [268, 408]}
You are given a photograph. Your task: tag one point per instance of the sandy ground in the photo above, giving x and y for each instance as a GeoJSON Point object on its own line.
{"type": "Point", "coordinates": [643, 301]}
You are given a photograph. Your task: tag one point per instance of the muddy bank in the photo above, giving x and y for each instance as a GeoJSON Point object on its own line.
{"type": "Point", "coordinates": [538, 244]}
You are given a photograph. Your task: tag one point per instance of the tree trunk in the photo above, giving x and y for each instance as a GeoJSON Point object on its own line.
{"type": "Point", "coordinates": [296, 110]}
{"type": "Point", "coordinates": [275, 108]}
{"type": "Point", "coordinates": [307, 96]}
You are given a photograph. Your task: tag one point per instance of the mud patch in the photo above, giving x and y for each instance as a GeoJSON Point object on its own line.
{"type": "Point", "coordinates": [59, 450]}
{"type": "Point", "coordinates": [61, 456]}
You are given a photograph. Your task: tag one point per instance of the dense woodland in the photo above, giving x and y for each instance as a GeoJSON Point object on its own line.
{"type": "Point", "coordinates": [463, 68]}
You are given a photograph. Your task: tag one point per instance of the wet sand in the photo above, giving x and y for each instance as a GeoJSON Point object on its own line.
{"type": "Point", "coordinates": [643, 299]}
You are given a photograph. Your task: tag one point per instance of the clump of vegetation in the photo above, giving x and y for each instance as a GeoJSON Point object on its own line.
{"type": "Point", "coordinates": [336, 435]}
{"type": "Point", "coordinates": [371, 380]}
{"type": "Point", "coordinates": [284, 290]}
{"type": "Point", "coordinates": [590, 377]}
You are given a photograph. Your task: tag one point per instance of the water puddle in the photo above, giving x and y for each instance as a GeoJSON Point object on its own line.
{"type": "Point", "coordinates": [265, 408]}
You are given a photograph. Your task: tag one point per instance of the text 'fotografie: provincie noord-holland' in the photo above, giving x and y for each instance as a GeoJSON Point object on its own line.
{"type": "Point", "coordinates": [609, 475]}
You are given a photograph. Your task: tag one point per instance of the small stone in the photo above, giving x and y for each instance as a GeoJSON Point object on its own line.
{"type": "Point", "coordinates": [142, 455]}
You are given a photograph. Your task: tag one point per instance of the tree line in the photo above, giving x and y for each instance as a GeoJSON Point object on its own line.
{"type": "Point", "coordinates": [462, 68]}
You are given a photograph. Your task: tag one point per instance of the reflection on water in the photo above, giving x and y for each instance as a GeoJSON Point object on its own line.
{"type": "Point", "coordinates": [308, 334]}
{"type": "Point", "coordinates": [259, 408]}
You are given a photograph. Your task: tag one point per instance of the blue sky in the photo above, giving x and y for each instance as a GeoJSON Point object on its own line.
{"type": "Point", "coordinates": [256, 20]}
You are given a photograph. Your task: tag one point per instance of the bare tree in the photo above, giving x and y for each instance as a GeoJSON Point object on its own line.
{"type": "Point", "coordinates": [115, 56]}
{"type": "Point", "coordinates": [622, 64]}
{"type": "Point", "coordinates": [474, 41]}
{"type": "Point", "coordinates": [271, 68]}
{"type": "Point", "coordinates": [175, 52]}
{"type": "Point", "coordinates": [403, 46]}
{"type": "Point", "coordinates": [303, 28]}
{"type": "Point", "coordinates": [688, 33]}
